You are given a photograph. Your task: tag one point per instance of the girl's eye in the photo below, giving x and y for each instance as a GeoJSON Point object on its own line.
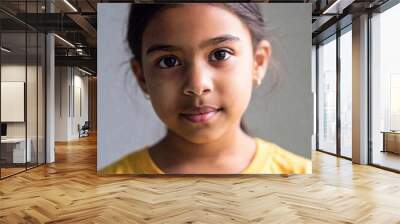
{"type": "Point", "coordinates": [220, 55]}
{"type": "Point", "coordinates": [168, 62]}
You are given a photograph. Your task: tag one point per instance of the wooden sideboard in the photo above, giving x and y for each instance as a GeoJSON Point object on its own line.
{"type": "Point", "coordinates": [391, 141]}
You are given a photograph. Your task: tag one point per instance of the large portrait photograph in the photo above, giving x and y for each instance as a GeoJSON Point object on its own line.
{"type": "Point", "coordinates": [204, 88]}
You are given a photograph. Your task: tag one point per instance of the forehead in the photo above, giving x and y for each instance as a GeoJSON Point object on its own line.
{"type": "Point", "coordinates": [193, 23]}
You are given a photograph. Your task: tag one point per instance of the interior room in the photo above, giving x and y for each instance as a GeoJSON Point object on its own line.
{"type": "Point", "coordinates": [49, 122]}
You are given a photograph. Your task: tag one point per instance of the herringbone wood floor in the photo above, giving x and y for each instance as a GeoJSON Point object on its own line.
{"type": "Point", "coordinates": [69, 191]}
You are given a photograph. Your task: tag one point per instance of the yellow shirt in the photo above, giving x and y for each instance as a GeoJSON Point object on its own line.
{"type": "Point", "coordinates": [269, 159]}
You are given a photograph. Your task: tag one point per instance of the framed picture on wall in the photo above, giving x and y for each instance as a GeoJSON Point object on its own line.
{"type": "Point", "coordinates": [229, 93]}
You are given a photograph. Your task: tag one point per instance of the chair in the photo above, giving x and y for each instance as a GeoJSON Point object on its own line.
{"type": "Point", "coordinates": [84, 130]}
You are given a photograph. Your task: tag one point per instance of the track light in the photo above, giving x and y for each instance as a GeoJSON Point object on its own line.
{"type": "Point", "coordinates": [64, 40]}
{"type": "Point", "coordinates": [84, 71]}
{"type": "Point", "coordinates": [70, 5]}
{"type": "Point", "coordinates": [5, 50]}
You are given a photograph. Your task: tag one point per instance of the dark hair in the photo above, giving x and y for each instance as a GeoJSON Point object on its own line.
{"type": "Point", "coordinates": [141, 14]}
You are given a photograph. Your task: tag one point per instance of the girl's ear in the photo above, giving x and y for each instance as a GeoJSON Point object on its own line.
{"type": "Point", "coordinates": [138, 72]}
{"type": "Point", "coordinates": [261, 58]}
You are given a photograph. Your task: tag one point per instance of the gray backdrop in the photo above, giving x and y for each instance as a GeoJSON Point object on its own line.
{"type": "Point", "coordinates": [281, 113]}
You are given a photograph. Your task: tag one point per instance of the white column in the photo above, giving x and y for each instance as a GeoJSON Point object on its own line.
{"type": "Point", "coordinates": [360, 90]}
{"type": "Point", "coordinates": [50, 93]}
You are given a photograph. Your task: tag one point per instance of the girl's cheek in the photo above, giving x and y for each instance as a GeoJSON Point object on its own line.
{"type": "Point", "coordinates": [165, 91]}
{"type": "Point", "coordinates": [237, 74]}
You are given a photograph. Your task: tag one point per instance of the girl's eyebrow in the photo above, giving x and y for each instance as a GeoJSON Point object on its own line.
{"type": "Point", "coordinates": [218, 40]}
{"type": "Point", "coordinates": [212, 41]}
{"type": "Point", "coordinates": [161, 47]}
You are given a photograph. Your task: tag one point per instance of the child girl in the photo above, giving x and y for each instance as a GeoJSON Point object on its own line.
{"type": "Point", "coordinates": [197, 64]}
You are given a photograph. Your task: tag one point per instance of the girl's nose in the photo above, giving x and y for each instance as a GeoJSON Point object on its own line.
{"type": "Point", "coordinates": [198, 80]}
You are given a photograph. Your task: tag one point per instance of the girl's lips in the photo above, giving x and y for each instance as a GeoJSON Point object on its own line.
{"type": "Point", "coordinates": [200, 115]}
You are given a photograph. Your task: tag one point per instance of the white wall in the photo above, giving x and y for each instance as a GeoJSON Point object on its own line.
{"type": "Point", "coordinates": [67, 115]}
{"type": "Point", "coordinates": [79, 117]}
{"type": "Point", "coordinates": [61, 103]}
{"type": "Point", "coordinates": [33, 127]}
{"type": "Point", "coordinates": [12, 73]}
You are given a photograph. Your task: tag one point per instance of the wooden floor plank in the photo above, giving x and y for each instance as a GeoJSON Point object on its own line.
{"type": "Point", "coordinates": [70, 191]}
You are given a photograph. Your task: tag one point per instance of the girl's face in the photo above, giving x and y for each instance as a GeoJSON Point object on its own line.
{"type": "Point", "coordinates": [198, 67]}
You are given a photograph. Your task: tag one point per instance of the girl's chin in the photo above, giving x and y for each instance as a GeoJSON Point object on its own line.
{"type": "Point", "coordinates": [201, 136]}
{"type": "Point", "coordinates": [201, 139]}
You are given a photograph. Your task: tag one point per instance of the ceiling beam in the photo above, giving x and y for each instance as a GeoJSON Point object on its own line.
{"type": "Point", "coordinates": [84, 24]}
{"type": "Point", "coordinates": [84, 61]}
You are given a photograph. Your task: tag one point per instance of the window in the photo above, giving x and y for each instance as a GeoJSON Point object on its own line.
{"type": "Point", "coordinates": [346, 92]}
{"type": "Point", "coordinates": [385, 88]}
{"type": "Point", "coordinates": [327, 96]}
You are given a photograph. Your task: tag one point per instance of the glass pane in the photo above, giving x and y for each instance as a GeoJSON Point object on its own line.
{"type": "Point", "coordinates": [41, 98]}
{"type": "Point", "coordinates": [31, 84]}
{"type": "Point", "coordinates": [23, 89]}
{"type": "Point", "coordinates": [386, 89]}
{"type": "Point", "coordinates": [13, 87]}
{"type": "Point", "coordinates": [31, 101]}
{"type": "Point", "coordinates": [327, 96]}
{"type": "Point", "coordinates": [346, 94]}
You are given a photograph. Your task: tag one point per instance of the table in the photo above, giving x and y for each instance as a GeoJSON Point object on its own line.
{"type": "Point", "coordinates": [15, 148]}
{"type": "Point", "coordinates": [391, 141]}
